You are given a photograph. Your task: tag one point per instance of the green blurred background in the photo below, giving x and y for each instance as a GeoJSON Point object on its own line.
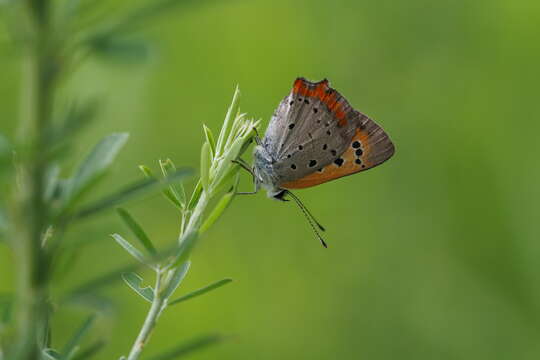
{"type": "Point", "coordinates": [433, 255]}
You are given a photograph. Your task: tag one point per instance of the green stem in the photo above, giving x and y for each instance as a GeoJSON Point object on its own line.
{"type": "Point", "coordinates": [159, 303]}
{"type": "Point", "coordinates": [150, 321]}
{"type": "Point", "coordinates": [29, 212]}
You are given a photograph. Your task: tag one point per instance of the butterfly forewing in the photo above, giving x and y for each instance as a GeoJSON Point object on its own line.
{"type": "Point", "coordinates": [306, 133]}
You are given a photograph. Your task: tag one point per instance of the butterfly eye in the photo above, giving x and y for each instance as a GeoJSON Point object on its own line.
{"type": "Point", "coordinates": [293, 166]}
{"type": "Point", "coordinates": [356, 144]}
{"type": "Point", "coordinates": [339, 161]}
{"type": "Point", "coordinates": [359, 152]}
{"type": "Point", "coordinates": [358, 161]}
{"type": "Point", "coordinates": [312, 163]}
{"type": "Point", "coordinates": [291, 126]}
{"type": "Point", "coordinates": [300, 147]}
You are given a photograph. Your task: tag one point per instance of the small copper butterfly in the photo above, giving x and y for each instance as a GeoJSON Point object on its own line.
{"type": "Point", "coordinates": [313, 137]}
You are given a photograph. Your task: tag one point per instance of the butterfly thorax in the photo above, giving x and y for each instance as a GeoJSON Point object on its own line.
{"type": "Point", "coordinates": [265, 174]}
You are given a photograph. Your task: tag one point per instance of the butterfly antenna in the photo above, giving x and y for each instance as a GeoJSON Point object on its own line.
{"type": "Point", "coordinates": [303, 207]}
{"type": "Point", "coordinates": [311, 220]}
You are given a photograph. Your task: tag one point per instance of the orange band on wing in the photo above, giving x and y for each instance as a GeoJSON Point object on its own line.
{"type": "Point", "coordinates": [321, 91]}
{"type": "Point", "coordinates": [353, 160]}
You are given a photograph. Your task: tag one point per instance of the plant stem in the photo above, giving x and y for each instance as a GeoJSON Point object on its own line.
{"type": "Point", "coordinates": [196, 217]}
{"type": "Point", "coordinates": [29, 212]}
{"type": "Point", "coordinates": [159, 303]}
{"type": "Point", "coordinates": [150, 321]}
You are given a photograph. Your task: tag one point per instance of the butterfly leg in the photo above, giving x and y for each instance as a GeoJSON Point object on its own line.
{"type": "Point", "coordinates": [244, 165]}
{"type": "Point", "coordinates": [257, 137]}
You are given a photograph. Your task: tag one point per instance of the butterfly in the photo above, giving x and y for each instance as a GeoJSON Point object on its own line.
{"type": "Point", "coordinates": [315, 136]}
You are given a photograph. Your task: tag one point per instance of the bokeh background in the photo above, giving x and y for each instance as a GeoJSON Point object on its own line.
{"type": "Point", "coordinates": [433, 255]}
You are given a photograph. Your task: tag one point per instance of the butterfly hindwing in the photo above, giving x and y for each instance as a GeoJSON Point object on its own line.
{"type": "Point", "coordinates": [368, 147]}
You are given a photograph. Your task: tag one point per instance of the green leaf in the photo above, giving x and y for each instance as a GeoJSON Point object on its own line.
{"type": "Point", "coordinates": [176, 192]}
{"type": "Point", "coordinates": [5, 146]}
{"type": "Point", "coordinates": [210, 139]}
{"type": "Point", "coordinates": [92, 301]}
{"type": "Point", "coordinates": [226, 164]}
{"type": "Point", "coordinates": [127, 193]}
{"type": "Point", "coordinates": [187, 243]}
{"type": "Point", "coordinates": [146, 171]}
{"type": "Point", "coordinates": [120, 50]}
{"type": "Point", "coordinates": [187, 348]}
{"type": "Point", "coordinates": [144, 14]}
{"type": "Point", "coordinates": [206, 162]}
{"type": "Point", "coordinates": [69, 349]}
{"type": "Point", "coordinates": [178, 276]}
{"type": "Point", "coordinates": [134, 281]}
{"type": "Point", "coordinates": [91, 286]}
{"type": "Point", "coordinates": [3, 221]}
{"type": "Point", "coordinates": [76, 118]}
{"type": "Point", "coordinates": [90, 350]}
{"type": "Point", "coordinates": [226, 180]}
{"type": "Point", "coordinates": [137, 230]}
{"type": "Point", "coordinates": [52, 183]}
{"type": "Point", "coordinates": [6, 308]}
{"type": "Point", "coordinates": [201, 291]}
{"type": "Point", "coordinates": [131, 249]}
{"type": "Point", "coordinates": [218, 210]}
{"type": "Point", "coordinates": [195, 196]}
{"type": "Point", "coordinates": [94, 166]}
{"type": "Point", "coordinates": [232, 111]}
{"type": "Point", "coordinates": [51, 354]}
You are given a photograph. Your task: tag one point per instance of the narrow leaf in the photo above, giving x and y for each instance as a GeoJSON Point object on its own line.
{"type": "Point", "coordinates": [4, 146]}
{"type": "Point", "coordinates": [134, 281]}
{"type": "Point", "coordinates": [120, 50]}
{"type": "Point", "coordinates": [143, 14]}
{"type": "Point", "coordinates": [137, 230]}
{"type": "Point", "coordinates": [51, 354]}
{"type": "Point", "coordinates": [232, 111]}
{"type": "Point", "coordinates": [127, 193]}
{"type": "Point", "coordinates": [187, 243]}
{"type": "Point", "coordinates": [3, 221]}
{"type": "Point", "coordinates": [146, 171]}
{"type": "Point", "coordinates": [90, 351]}
{"type": "Point", "coordinates": [195, 196]}
{"type": "Point", "coordinates": [75, 340]}
{"type": "Point", "coordinates": [76, 118]}
{"type": "Point", "coordinates": [201, 291]}
{"type": "Point", "coordinates": [218, 210]}
{"type": "Point", "coordinates": [92, 301]}
{"type": "Point", "coordinates": [6, 308]}
{"type": "Point", "coordinates": [94, 166]}
{"type": "Point", "coordinates": [210, 139]}
{"type": "Point", "coordinates": [192, 346]}
{"type": "Point", "coordinates": [113, 276]}
{"type": "Point", "coordinates": [176, 192]}
{"type": "Point", "coordinates": [131, 249]}
{"type": "Point", "coordinates": [51, 183]}
{"type": "Point", "coordinates": [206, 162]}
{"type": "Point", "coordinates": [177, 278]}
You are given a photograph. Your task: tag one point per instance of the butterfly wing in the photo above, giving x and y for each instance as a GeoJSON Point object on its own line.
{"type": "Point", "coordinates": [369, 147]}
{"type": "Point", "coordinates": [311, 127]}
